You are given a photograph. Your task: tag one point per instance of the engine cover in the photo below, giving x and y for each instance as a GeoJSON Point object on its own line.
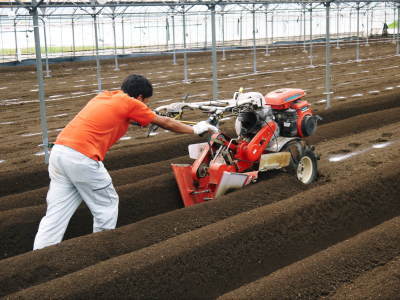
{"type": "Point", "coordinates": [283, 98]}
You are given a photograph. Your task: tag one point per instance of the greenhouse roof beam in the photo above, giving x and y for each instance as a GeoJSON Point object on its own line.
{"type": "Point", "coordinates": [60, 4]}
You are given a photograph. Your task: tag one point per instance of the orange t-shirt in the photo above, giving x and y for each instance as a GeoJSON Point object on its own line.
{"type": "Point", "coordinates": [102, 122]}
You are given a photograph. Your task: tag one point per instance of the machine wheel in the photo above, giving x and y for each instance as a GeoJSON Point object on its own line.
{"type": "Point", "coordinates": [296, 149]}
{"type": "Point", "coordinates": [303, 162]}
{"type": "Point", "coordinates": [307, 170]}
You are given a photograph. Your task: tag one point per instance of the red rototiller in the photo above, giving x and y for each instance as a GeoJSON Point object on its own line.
{"type": "Point", "coordinates": [270, 132]}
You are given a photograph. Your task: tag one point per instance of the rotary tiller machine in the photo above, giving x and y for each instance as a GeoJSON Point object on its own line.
{"type": "Point", "coordinates": [270, 132]}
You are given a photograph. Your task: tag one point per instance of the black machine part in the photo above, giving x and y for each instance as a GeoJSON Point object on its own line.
{"type": "Point", "coordinates": [287, 121]}
{"type": "Point", "coordinates": [309, 125]}
{"type": "Point", "coordinates": [250, 121]}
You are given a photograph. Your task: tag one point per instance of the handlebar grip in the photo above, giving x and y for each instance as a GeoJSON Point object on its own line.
{"type": "Point", "coordinates": [212, 120]}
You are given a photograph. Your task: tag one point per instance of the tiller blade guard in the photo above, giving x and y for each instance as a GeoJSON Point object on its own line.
{"type": "Point", "coordinates": [191, 194]}
{"type": "Point", "coordinates": [214, 172]}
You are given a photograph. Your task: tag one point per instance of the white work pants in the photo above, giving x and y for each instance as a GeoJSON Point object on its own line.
{"type": "Point", "coordinates": [75, 177]}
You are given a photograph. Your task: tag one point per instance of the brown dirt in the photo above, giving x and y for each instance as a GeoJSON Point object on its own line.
{"type": "Point", "coordinates": [374, 284]}
{"type": "Point", "coordinates": [331, 267]}
{"type": "Point", "coordinates": [322, 240]}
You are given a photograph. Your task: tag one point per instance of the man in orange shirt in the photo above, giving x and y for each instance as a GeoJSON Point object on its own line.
{"type": "Point", "coordinates": [75, 167]}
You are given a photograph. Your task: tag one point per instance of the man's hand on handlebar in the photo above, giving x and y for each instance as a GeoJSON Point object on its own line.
{"type": "Point", "coordinates": [203, 127]}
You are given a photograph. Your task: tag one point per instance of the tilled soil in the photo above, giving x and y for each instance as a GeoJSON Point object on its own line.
{"type": "Point", "coordinates": [338, 237]}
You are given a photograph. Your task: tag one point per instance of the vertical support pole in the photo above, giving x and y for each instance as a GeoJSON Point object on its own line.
{"type": "Point", "coordinates": [253, 12]}
{"type": "Point", "coordinates": [98, 67]}
{"type": "Point", "coordinates": [116, 68]}
{"type": "Point", "coordinates": [93, 48]}
{"type": "Point", "coordinates": [366, 40]}
{"type": "Point", "coordinates": [16, 40]}
{"type": "Point", "coordinates": [337, 25]}
{"type": "Point", "coordinates": [304, 29]}
{"type": "Point", "coordinates": [197, 31]}
{"type": "Point", "coordinates": [123, 34]}
{"type": "Point", "coordinates": [205, 31]}
{"type": "Point", "coordinates": [394, 20]}
{"type": "Point", "coordinates": [350, 19]}
{"type": "Point", "coordinates": [1, 40]}
{"type": "Point", "coordinates": [45, 47]}
{"type": "Point", "coordinates": [27, 41]}
{"type": "Point", "coordinates": [39, 76]}
{"type": "Point", "coordinates": [223, 32]}
{"type": "Point", "coordinates": [214, 52]}
{"type": "Point", "coordinates": [372, 22]}
{"type": "Point", "coordinates": [272, 28]}
{"type": "Point", "coordinates": [266, 30]}
{"type": "Point", "coordinates": [241, 29]}
{"type": "Point", "coordinates": [398, 30]}
{"type": "Point", "coordinates": [173, 41]}
{"type": "Point", "coordinates": [61, 34]}
{"type": "Point", "coordinates": [358, 33]}
{"type": "Point", "coordinates": [166, 33]}
{"type": "Point", "coordinates": [185, 63]}
{"type": "Point", "coordinates": [300, 25]}
{"type": "Point", "coordinates": [327, 58]}
{"type": "Point", "coordinates": [73, 37]}
{"type": "Point", "coordinates": [311, 39]}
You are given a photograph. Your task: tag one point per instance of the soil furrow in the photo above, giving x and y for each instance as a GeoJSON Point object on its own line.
{"type": "Point", "coordinates": [380, 283]}
{"type": "Point", "coordinates": [120, 177]}
{"type": "Point", "coordinates": [226, 255]}
{"type": "Point", "coordinates": [369, 104]}
{"type": "Point", "coordinates": [139, 235]}
{"type": "Point", "coordinates": [138, 200]}
{"type": "Point", "coordinates": [328, 269]}
{"type": "Point", "coordinates": [326, 131]}
{"type": "Point", "coordinates": [152, 150]}
{"type": "Point", "coordinates": [354, 125]}
{"type": "Point", "coordinates": [25, 199]}
{"type": "Point", "coordinates": [337, 238]}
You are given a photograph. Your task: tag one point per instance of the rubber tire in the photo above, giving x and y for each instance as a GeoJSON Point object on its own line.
{"type": "Point", "coordinates": [296, 149]}
{"type": "Point", "coordinates": [311, 158]}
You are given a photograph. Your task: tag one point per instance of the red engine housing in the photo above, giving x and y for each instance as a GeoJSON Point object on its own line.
{"type": "Point", "coordinates": [286, 98]}
{"type": "Point", "coordinates": [283, 98]}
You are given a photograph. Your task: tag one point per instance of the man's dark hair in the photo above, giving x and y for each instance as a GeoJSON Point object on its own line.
{"type": "Point", "coordinates": [135, 85]}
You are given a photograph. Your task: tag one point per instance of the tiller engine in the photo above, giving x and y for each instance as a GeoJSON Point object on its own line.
{"type": "Point", "coordinates": [269, 136]}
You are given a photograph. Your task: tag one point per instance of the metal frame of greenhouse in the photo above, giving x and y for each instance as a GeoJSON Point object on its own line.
{"type": "Point", "coordinates": [41, 11]}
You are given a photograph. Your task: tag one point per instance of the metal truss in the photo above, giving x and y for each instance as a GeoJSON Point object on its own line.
{"type": "Point", "coordinates": [172, 4]}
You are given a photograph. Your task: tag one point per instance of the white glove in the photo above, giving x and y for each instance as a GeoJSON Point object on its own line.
{"type": "Point", "coordinates": [203, 127]}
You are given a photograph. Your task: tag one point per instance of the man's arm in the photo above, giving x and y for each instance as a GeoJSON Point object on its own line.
{"type": "Point", "coordinates": [172, 125]}
{"type": "Point", "coordinates": [176, 126]}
